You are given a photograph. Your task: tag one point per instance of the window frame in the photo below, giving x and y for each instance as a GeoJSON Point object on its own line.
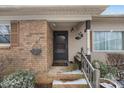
{"type": "Point", "coordinates": [6, 45]}
{"type": "Point", "coordinates": [104, 51]}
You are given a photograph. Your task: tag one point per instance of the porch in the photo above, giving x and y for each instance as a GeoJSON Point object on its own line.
{"type": "Point", "coordinates": [57, 35]}
{"type": "Point", "coordinates": [72, 76]}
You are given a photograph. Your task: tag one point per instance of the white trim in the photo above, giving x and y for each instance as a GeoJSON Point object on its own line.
{"type": "Point", "coordinates": [50, 18]}
{"type": "Point", "coordinates": [5, 22]}
{"type": "Point", "coordinates": [3, 45]}
{"type": "Point", "coordinates": [108, 51]}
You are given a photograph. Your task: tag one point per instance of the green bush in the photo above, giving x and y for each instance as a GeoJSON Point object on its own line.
{"type": "Point", "coordinates": [112, 74]}
{"type": "Point", "coordinates": [19, 79]}
{"type": "Point", "coordinates": [105, 70]}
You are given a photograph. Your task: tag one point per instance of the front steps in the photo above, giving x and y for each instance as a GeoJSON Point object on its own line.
{"type": "Point", "coordinates": [79, 83]}
{"type": "Point", "coordinates": [67, 77]}
{"type": "Point", "coordinates": [65, 73]}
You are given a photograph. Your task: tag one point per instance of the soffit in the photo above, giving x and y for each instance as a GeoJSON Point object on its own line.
{"type": "Point", "coordinates": [106, 18]}
{"type": "Point", "coordinates": [51, 10]}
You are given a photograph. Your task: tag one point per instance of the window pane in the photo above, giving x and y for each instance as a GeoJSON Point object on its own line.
{"type": "Point", "coordinates": [4, 29]}
{"type": "Point", "coordinates": [113, 40]}
{"type": "Point", "coordinates": [99, 41]}
{"type": "Point", "coordinates": [108, 41]}
{"type": "Point", "coordinates": [4, 39]}
{"type": "Point", "coordinates": [4, 34]}
{"type": "Point", "coordinates": [123, 40]}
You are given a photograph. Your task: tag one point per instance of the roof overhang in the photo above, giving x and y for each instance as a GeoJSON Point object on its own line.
{"type": "Point", "coordinates": [51, 13]}
{"type": "Point", "coordinates": [108, 18]}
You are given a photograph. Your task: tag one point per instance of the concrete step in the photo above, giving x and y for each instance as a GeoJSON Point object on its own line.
{"type": "Point", "coordinates": [71, 75]}
{"type": "Point", "coordinates": [79, 83]}
{"type": "Point", "coordinates": [60, 63]}
{"type": "Point", "coordinates": [60, 74]}
{"type": "Point", "coordinates": [69, 67]}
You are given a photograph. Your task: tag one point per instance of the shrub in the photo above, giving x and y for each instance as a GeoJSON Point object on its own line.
{"type": "Point", "coordinates": [113, 70]}
{"type": "Point", "coordinates": [103, 68]}
{"type": "Point", "coordinates": [106, 70]}
{"type": "Point", "coordinates": [115, 59]}
{"type": "Point", "coordinates": [19, 79]}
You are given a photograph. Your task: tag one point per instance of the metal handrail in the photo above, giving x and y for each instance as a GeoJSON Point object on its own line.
{"type": "Point", "coordinates": [92, 75]}
{"type": "Point", "coordinates": [88, 61]}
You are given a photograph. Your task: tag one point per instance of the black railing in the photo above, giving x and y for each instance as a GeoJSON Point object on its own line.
{"type": "Point", "coordinates": [92, 75]}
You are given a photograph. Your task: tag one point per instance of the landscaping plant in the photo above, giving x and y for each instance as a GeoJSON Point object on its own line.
{"type": "Point", "coordinates": [106, 71]}
{"type": "Point", "coordinates": [115, 59]}
{"type": "Point", "coordinates": [19, 79]}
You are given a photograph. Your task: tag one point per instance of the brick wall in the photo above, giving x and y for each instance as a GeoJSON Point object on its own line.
{"type": "Point", "coordinates": [49, 46]}
{"type": "Point", "coordinates": [25, 35]}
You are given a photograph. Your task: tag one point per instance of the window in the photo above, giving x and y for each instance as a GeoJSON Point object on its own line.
{"type": "Point", "coordinates": [4, 34]}
{"type": "Point", "coordinates": [108, 40]}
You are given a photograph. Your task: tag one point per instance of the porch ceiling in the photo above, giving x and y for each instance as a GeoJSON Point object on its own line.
{"type": "Point", "coordinates": [57, 26]}
{"type": "Point", "coordinates": [56, 12]}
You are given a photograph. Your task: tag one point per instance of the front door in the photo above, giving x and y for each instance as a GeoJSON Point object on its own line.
{"type": "Point", "coordinates": [60, 46]}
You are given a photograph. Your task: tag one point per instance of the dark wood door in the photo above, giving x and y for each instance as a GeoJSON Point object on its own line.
{"type": "Point", "coordinates": [60, 45]}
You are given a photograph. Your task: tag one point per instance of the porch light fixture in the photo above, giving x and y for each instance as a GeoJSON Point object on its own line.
{"type": "Point", "coordinates": [53, 24]}
{"type": "Point", "coordinates": [111, 30]}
